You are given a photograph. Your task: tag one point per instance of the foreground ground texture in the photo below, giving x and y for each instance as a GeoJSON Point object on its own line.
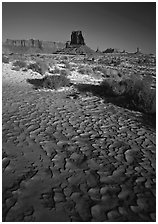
{"type": "Point", "coordinates": [68, 159]}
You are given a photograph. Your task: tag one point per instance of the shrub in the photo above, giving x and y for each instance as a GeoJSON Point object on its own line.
{"type": "Point", "coordinates": [21, 64]}
{"type": "Point", "coordinates": [64, 72]}
{"type": "Point", "coordinates": [63, 58]}
{"type": "Point", "coordinates": [67, 65]}
{"type": "Point", "coordinates": [52, 63]}
{"type": "Point", "coordinates": [55, 71]}
{"type": "Point", "coordinates": [40, 67]}
{"type": "Point", "coordinates": [5, 59]}
{"type": "Point", "coordinates": [140, 93]}
{"type": "Point", "coordinates": [55, 82]}
{"type": "Point", "coordinates": [85, 70]}
{"type": "Point", "coordinates": [16, 68]}
{"type": "Point", "coordinates": [136, 90]}
{"type": "Point", "coordinates": [112, 87]}
{"type": "Point", "coordinates": [98, 68]}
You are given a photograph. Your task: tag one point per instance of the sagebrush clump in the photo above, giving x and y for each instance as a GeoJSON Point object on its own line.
{"type": "Point", "coordinates": [55, 81]}
{"type": "Point", "coordinates": [39, 66]}
{"type": "Point", "coordinates": [85, 70]}
{"type": "Point", "coordinates": [64, 72]}
{"type": "Point", "coordinates": [137, 91]}
{"type": "Point", "coordinates": [20, 64]}
{"type": "Point", "coordinates": [5, 59]}
{"type": "Point", "coordinates": [55, 70]}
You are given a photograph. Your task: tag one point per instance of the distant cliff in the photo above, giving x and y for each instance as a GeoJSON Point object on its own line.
{"type": "Point", "coordinates": [31, 46]}
{"type": "Point", "coordinates": [76, 45]}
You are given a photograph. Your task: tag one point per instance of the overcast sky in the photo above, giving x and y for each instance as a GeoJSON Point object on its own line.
{"type": "Point", "coordinates": [116, 25]}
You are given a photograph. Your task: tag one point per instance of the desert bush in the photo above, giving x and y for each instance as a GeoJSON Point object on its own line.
{"type": "Point", "coordinates": [137, 90]}
{"type": "Point", "coordinates": [112, 87]}
{"type": "Point", "coordinates": [85, 70]}
{"type": "Point", "coordinates": [63, 57]}
{"type": "Point", "coordinates": [64, 72]}
{"type": "Point", "coordinates": [39, 66]}
{"type": "Point", "coordinates": [16, 68]}
{"type": "Point", "coordinates": [103, 70]}
{"type": "Point", "coordinates": [52, 63]}
{"type": "Point", "coordinates": [55, 82]}
{"type": "Point", "coordinates": [67, 64]}
{"type": "Point", "coordinates": [5, 59]}
{"type": "Point", "coordinates": [20, 64]}
{"type": "Point", "coordinates": [107, 73]}
{"type": "Point", "coordinates": [55, 71]}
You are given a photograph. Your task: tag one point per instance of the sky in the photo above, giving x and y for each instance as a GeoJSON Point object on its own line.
{"type": "Point", "coordinates": [122, 25]}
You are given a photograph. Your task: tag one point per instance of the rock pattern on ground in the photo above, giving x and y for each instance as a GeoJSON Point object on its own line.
{"type": "Point", "coordinates": [68, 159]}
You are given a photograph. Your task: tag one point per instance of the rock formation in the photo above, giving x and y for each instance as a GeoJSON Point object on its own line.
{"type": "Point", "coordinates": [25, 43]}
{"type": "Point", "coordinates": [138, 50]}
{"type": "Point", "coordinates": [77, 38]}
{"type": "Point", "coordinates": [31, 46]}
{"type": "Point", "coordinates": [111, 50]}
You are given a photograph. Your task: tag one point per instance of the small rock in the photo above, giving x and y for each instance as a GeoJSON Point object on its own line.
{"type": "Point", "coordinates": [75, 156]}
{"type": "Point", "coordinates": [59, 197]}
{"type": "Point", "coordinates": [142, 204]}
{"type": "Point", "coordinates": [123, 211]}
{"type": "Point", "coordinates": [92, 179]}
{"type": "Point", "coordinates": [112, 215]}
{"type": "Point", "coordinates": [129, 158]}
{"type": "Point", "coordinates": [67, 191]}
{"type": "Point", "coordinates": [104, 190]}
{"type": "Point", "coordinates": [10, 202]}
{"type": "Point", "coordinates": [92, 164]}
{"type": "Point", "coordinates": [83, 208]}
{"type": "Point", "coordinates": [76, 196]}
{"type": "Point", "coordinates": [98, 213]}
{"type": "Point", "coordinates": [5, 162]}
{"type": "Point", "coordinates": [153, 216]}
{"type": "Point", "coordinates": [124, 194]}
{"type": "Point", "coordinates": [140, 179]}
{"type": "Point", "coordinates": [94, 193]}
{"type": "Point", "coordinates": [135, 209]}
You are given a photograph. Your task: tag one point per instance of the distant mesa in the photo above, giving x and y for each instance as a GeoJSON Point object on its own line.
{"type": "Point", "coordinates": [31, 46]}
{"type": "Point", "coordinates": [76, 45]}
{"type": "Point", "coordinates": [25, 43]}
{"type": "Point", "coordinates": [38, 46]}
{"type": "Point", "coordinates": [111, 50]}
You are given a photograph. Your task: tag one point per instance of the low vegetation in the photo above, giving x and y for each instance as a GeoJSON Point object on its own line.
{"type": "Point", "coordinates": [5, 59]}
{"type": "Point", "coordinates": [85, 70]}
{"type": "Point", "coordinates": [20, 64]}
{"type": "Point", "coordinates": [16, 68]}
{"type": "Point", "coordinates": [55, 82]}
{"type": "Point", "coordinates": [55, 70]}
{"type": "Point", "coordinates": [39, 66]}
{"type": "Point", "coordinates": [67, 64]}
{"type": "Point", "coordinates": [136, 83]}
{"type": "Point", "coordinates": [137, 91]}
{"type": "Point", "coordinates": [64, 72]}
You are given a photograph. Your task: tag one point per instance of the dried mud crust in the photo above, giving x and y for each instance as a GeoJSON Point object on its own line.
{"type": "Point", "coordinates": [68, 159]}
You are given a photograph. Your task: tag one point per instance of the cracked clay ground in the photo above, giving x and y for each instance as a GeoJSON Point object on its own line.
{"type": "Point", "coordinates": [70, 159]}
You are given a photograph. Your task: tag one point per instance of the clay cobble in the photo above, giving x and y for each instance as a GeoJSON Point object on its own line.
{"type": "Point", "coordinates": [75, 160]}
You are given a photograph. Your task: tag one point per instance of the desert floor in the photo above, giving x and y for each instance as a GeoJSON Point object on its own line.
{"type": "Point", "coordinates": [67, 159]}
